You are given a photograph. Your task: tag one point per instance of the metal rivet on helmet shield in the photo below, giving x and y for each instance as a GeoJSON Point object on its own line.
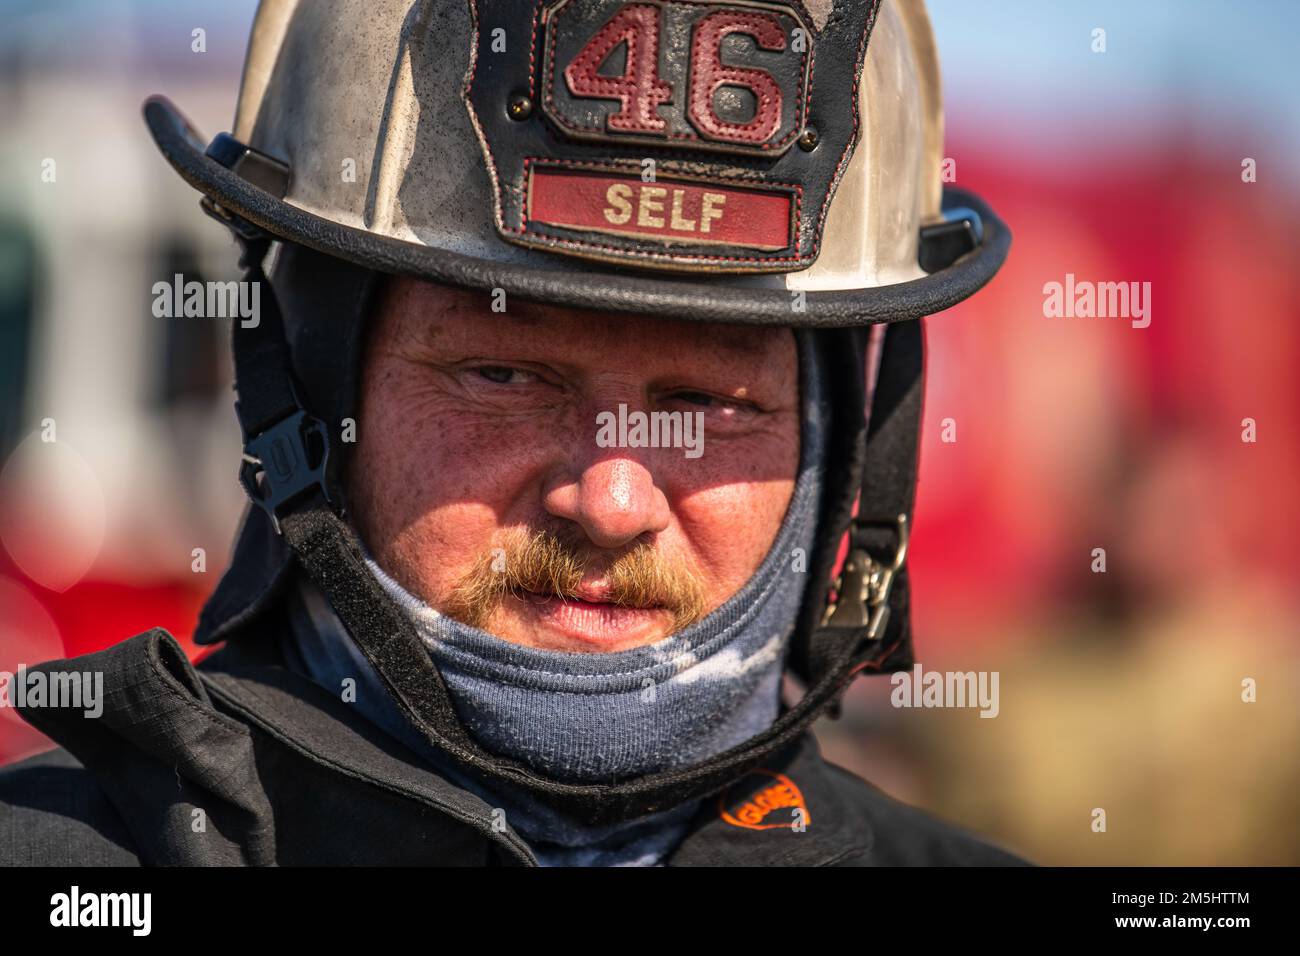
{"type": "Point", "coordinates": [520, 108]}
{"type": "Point", "coordinates": [808, 141]}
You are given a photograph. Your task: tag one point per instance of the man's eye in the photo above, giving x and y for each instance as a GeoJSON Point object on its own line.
{"type": "Point", "coordinates": [696, 398]}
{"type": "Point", "coordinates": [716, 403]}
{"type": "Point", "coordinates": [504, 375]}
{"type": "Point", "coordinates": [719, 409]}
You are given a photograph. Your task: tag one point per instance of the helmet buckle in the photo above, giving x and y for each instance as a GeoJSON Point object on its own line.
{"type": "Point", "coordinates": [285, 461]}
{"type": "Point", "coordinates": [863, 587]}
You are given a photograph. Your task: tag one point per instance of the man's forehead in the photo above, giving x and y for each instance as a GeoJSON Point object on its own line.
{"type": "Point", "coordinates": [439, 310]}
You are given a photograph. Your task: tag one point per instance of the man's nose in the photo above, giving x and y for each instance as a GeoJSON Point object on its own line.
{"type": "Point", "coordinates": [614, 500]}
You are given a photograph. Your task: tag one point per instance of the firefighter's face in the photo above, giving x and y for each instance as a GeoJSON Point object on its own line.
{"type": "Point", "coordinates": [506, 469]}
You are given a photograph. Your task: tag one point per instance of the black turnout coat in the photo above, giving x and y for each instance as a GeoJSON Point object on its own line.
{"type": "Point", "coordinates": [240, 761]}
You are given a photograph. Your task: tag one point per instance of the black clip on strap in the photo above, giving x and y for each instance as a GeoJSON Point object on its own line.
{"type": "Point", "coordinates": [283, 462]}
{"type": "Point", "coordinates": [864, 586]}
{"type": "Point", "coordinates": [286, 450]}
{"type": "Point", "coordinates": [867, 625]}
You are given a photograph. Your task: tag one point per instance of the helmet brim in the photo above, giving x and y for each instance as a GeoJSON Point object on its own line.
{"type": "Point", "coordinates": [718, 299]}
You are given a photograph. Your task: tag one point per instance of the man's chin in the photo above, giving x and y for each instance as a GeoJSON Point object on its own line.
{"type": "Point", "coordinates": [583, 627]}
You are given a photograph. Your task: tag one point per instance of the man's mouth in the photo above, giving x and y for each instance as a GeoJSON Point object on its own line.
{"type": "Point", "coordinates": [589, 619]}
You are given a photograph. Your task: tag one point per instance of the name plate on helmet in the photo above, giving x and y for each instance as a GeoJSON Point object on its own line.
{"type": "Point", "coordinates": [678, 134]}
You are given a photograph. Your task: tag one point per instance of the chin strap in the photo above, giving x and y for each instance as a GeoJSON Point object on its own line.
{"type": "Point", "coordinates": [870, 605]}
{"type": "Point", "coordinates": [864, 628]}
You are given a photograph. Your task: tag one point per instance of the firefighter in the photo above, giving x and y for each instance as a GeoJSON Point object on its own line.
{"type": "Point", "coordinates": [468, 619]}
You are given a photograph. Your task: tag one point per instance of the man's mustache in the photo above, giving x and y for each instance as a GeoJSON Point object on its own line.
{"type": "Point", "coordinates": [546, 562]}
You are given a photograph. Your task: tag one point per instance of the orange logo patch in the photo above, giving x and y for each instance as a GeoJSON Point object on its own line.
{"type": "Point", "coordinates": [779, 805]}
